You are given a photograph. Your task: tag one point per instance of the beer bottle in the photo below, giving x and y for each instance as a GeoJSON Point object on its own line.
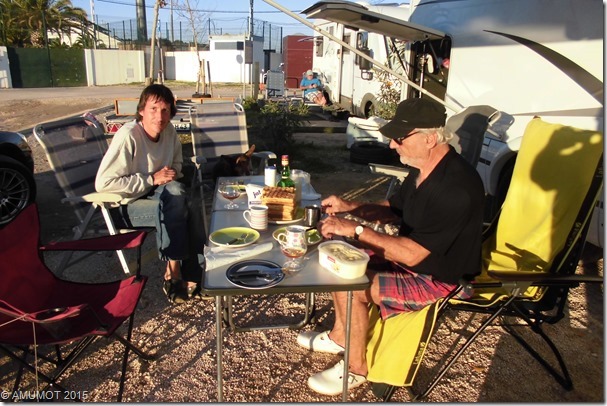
{"type": "Point", "coordinates": [285, 173]}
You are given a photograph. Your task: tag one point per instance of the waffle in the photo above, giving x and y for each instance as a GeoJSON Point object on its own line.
{"type": "Point", "coordinates": [284, 196]}
{"type": "Point", "coordinates": [280, 202]}
{"type": "Point", "coordinates": [278, 212]}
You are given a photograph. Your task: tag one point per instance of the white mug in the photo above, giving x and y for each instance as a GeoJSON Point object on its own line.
{"type": "Point", "coordinates": [257, 216]}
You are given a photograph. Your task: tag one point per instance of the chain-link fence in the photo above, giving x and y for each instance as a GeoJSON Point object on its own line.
{"type": "Point", "coordinates": [180, 34]}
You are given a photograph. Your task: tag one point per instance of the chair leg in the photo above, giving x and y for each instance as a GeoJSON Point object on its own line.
{"type": "Point", "coordinates": [140, 353]}
{"type": "Point", "coordinates": [462, 349]}
{"type": "Point", "coordinates": [563, 378]}
{"type": "Point", "coordinates": [113, 231]}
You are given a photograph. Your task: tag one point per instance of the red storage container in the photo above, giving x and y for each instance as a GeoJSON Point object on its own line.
{"type": "Point", "coordinates": [297, 57]}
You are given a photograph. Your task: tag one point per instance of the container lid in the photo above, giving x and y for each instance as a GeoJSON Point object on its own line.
{"type": "Point", "coordinates": [343, 252]}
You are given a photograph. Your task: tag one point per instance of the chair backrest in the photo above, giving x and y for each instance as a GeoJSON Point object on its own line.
{"type": "Point", "coordinates": [21, 269]}
{"type": "Point", "coordinates": [556, 182]}
{"type": "Point", "coordinates": [219, 128]}
{"type": "Point", "coordinates": [74, 148]}
{"type": "Point", "coordinates": [468, 128]}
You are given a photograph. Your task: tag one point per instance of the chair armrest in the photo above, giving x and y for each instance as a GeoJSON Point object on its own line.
{"type": "Point", "coordinates": [198, 160]}
{"type": "Point", "coordinates": [542, 278]}
{"type": "Point", "coordinates": [41, 316]}
{"type": "Point", "coordinates": [106, 243]}
{"type": "Point", "coordinates": [97, 197]}
{"type": "Point", "coordinates": [399, 172]}
{"type": "Point", "coordinates": [263, 157]}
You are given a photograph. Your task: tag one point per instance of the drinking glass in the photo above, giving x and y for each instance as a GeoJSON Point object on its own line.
{"type": "Point", "coordinates": [293, 245]}
{"type": "Point", "coordinates": [229, 189]}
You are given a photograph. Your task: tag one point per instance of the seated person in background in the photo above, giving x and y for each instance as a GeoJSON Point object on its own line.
{"type": "Point", "coordinates": [143, 163]}
{"type": "Point", "coordinates": [440, 207]}
{"type": "Point", "coordinates": [312, 89]}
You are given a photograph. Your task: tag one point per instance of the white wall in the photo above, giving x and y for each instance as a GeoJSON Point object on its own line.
{"type": "Point", "coordinates": [225, 65]}
{"type": "Point", "coordinates": [183, 65]}
{"type": "Point", "coordinates": [113, 67]}
{"type": "Point", "coordinates": [5, 71]}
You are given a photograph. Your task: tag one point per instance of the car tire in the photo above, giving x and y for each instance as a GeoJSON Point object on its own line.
{"type": "Point", "coordinates": [366, 152]}
{"type": "Point", "coordinates": [17, 188]}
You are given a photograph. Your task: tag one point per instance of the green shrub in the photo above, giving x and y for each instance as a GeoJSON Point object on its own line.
{"type": "Point", "coordinates": [272, 127]}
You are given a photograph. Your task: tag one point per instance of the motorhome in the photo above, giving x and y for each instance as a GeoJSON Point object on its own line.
{"type": "Point", "coordinates": [348, 79]}
{"type": "Point", "coordinates": [522, 57]}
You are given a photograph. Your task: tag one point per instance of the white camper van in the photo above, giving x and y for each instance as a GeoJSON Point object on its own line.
{"type": "Point", "coordinates": [347, 78]}
{"type": "Point", "coordinates": [522, 57]}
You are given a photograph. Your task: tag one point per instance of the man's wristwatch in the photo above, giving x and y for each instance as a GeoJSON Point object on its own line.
{"type": "Point", "coordinates": [358, 231]}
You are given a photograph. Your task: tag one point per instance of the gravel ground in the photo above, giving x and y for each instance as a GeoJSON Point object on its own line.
{"type": "Point", "coordinates": [268, 366]}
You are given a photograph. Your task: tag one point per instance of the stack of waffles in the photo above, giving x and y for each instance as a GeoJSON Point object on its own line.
{"type": "Point", "coordinates": [280, 202]}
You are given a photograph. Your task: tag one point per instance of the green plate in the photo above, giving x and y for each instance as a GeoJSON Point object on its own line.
{"type": "Point", "coordinates": [313, 237]}
{"type": "Point", "coordinates": [234, 237]}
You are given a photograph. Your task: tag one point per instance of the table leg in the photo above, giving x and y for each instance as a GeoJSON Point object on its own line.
{"type": "Point", "coordinates": [218, 319]}
{"type": "Point", "coordinates": [344, 395]}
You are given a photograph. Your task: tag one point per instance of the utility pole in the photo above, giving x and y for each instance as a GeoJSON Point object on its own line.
{"type": "Point", "coordinates": [150, 79]}
{"type": "Point", "coordinates": [172, 30]}
{"type": "Point", "coordinates": [93, 20]}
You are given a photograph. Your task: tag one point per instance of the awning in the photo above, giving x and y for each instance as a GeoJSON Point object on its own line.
{"type": "Point", "coordinates": [358, 17]}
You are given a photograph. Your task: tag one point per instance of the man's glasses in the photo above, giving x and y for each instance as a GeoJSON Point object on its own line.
{"type": "Point", "coordinates": [400, 140]}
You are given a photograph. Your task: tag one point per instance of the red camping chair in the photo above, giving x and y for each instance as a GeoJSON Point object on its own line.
{"type": "Point", "coordinates": [37, 309]}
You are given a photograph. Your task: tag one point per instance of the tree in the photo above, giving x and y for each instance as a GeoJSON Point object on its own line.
{"type": "Point", "coordinates": [23, 22]}
{"type": "Point", "coordinates": [195, 19]}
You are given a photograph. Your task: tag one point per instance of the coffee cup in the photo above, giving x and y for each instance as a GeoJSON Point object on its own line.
{"type": "Point", "coordinates": [257, 217]}
{"type": "Point", "coordinates": [311, 215]}
{"type": "Point", "coordinates": [293, 237]}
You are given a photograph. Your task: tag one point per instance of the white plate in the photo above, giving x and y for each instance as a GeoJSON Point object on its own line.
{"type": "Point", "coordinates": [225, 237]}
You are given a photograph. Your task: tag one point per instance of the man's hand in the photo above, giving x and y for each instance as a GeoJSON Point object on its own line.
{"type": "Point", "coordinates": [163, 176]}
{"type": "Point", "coordinates": [332, 225]}
{"type": "Point", "coordinates": [334, 204]}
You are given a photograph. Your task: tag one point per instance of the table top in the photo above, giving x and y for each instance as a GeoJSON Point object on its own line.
{"type": "Point", "coordinates": [311, 278]}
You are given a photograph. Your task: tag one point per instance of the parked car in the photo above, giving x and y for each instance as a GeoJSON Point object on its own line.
{"type": "Point", "coordinates": [17, 185]}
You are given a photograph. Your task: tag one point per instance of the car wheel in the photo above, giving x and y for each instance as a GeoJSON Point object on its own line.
{"type": "Point", "coordinates": [17, 188]}
{"type": "Point", "coordinates": [366, 152]}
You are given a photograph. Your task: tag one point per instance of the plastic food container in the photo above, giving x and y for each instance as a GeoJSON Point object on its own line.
{"type": "Point", "coordinates": [343, 259]}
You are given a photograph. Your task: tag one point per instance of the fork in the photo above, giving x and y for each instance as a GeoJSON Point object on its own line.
{"type": "Point", "coordinates": [242, 237]}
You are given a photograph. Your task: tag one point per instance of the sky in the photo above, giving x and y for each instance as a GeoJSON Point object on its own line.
{"type": "Point", "coordinates": [228, 13]}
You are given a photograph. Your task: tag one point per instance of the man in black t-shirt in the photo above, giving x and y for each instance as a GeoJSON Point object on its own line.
{"type": "Point", "coordinates": [440, 207]}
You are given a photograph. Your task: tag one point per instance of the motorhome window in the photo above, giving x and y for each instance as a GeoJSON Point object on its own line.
{"type": "Point", "coordinates": [319, 42]}
{"type": "Point", "coordinates": [227, 45]}
{"type": "Point", "coordinates": [347, 41]}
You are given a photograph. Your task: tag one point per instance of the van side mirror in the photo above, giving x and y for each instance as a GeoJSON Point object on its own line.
{"type": "Point", "coordinates": [365, 65]}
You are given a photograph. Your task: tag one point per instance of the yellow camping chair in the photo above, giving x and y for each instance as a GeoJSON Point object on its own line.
{"type": "Point", "coordinates": [530, 255]}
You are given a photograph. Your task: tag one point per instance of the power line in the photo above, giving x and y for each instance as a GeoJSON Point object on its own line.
{"type": "Point", "coordinates": [122, 3]}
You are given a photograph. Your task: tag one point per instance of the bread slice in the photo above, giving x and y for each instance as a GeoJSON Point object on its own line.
{"type": "Point", "coordinates": [284, 196]}
{"type": "Point", "coordinates": [280, 202]}
{"type": "Point", "coordinates": [279, 212]}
